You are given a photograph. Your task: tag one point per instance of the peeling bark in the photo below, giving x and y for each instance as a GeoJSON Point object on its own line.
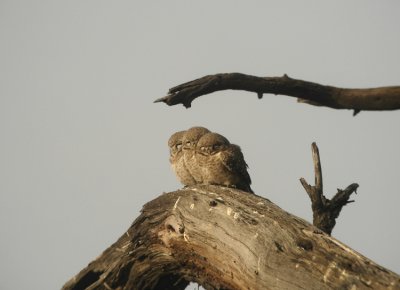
{"type": "Point", "coordinates": [372, 99]}
{"type": "Point", "coordinates": [224, 238]}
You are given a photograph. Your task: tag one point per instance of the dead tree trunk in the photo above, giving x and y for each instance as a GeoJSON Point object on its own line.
{"type": "Point", "coordinates": [224, 238]}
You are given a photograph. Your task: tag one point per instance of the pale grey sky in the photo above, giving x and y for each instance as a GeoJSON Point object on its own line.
{"type": "Point", "coordinates": [83, 147]}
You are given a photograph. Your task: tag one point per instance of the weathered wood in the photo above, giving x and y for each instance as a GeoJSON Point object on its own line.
{"type": "Point", "coordinates": [372, 99]}
{"type": "Point", "coordinates": [325, 211]}
{"type": "Point", "coordinates": [224, 238]}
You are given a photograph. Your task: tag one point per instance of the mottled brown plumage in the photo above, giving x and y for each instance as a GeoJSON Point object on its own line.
{"type": "Point", "coordinates": [222, 163]}
{"type": "Point", "coordinates": [190, 139]}
{"type": "Point", "coordinates": [176, 159]}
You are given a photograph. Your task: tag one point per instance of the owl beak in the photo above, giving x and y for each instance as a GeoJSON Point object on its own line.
{"type": "Point", "coordinates": [186, 146]}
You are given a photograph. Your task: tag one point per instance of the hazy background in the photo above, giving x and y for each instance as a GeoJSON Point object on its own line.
{"type": "Point", "coordinates": [83, 147]}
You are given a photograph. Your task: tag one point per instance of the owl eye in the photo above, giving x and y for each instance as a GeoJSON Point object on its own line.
{"type": "Point", "coordinates": [178, 146]}
{"type": "Point", "coordinates": [216, 146]}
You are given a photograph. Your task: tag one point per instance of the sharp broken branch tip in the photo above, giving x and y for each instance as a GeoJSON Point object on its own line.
{"type": "Point", "coordinates": [159, 100]}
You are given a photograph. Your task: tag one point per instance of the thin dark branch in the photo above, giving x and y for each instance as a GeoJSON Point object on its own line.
{"type": "Point", "coordinates": [381, 98]}
{"type": "Point", "coordinates": [341, 198]}
{"type": "Point", "coordinates": [307, 187]}
{"type": "Point", "coordinates": [325, 211]}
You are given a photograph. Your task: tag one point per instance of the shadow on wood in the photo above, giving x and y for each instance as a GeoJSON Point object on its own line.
{"type": "Point", "coordinates": [224, 238]}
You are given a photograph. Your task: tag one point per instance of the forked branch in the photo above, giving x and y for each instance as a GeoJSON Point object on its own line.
{"type": "Point", "coordinates": [325, 211]}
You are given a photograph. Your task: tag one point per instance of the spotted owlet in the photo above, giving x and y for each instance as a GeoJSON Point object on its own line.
{"type": "Point", "coordinates": [176, 159]}
{"type": "Point", "coordinates": [190, 139]}
{"type": "Point", "coordinates": [222, 163]}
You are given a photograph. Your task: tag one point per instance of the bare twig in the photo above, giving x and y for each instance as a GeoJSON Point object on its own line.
{"type": "Point", "coordinates": [325, 211]}
{"type": "Point", "coordinates": [378, 99]}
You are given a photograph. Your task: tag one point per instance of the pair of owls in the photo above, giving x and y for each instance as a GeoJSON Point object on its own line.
{"type": "Point", "coordinates": [199, 156]}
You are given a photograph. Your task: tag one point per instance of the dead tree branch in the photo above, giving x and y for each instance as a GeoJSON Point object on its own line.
{"type": "Point", "coordinates": [325, 211]}
{"type": "Point", "coordinates": [372, 99]}
{"type": "Point", "coordinates": [225, 238]}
